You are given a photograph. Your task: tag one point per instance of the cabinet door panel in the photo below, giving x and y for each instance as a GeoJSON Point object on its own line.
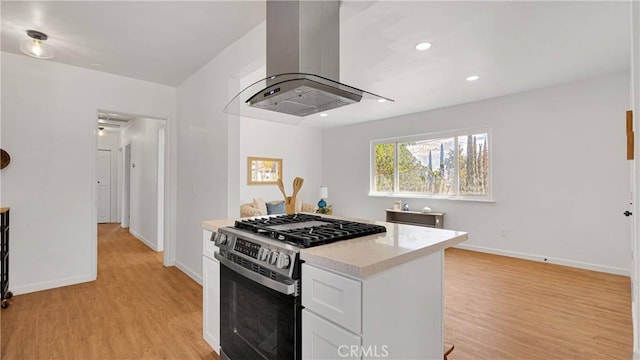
{"type": "Point", "coordinates": [332, 296]}
{"type": "Point", "coordinates": [322, 339]}
{"type": "Point", "coordinates": [211, 302]}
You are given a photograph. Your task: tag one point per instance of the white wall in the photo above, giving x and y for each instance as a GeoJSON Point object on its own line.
{"type": "Point", "coordinates": [560, 178]}
{"type": "Point", "coordinates": [635, 106]}
{"type": "Point", "coordinates": [49, 117]}
{"type": "Point", "coordinates": [299, 148]}
{"type": "Point", "coordinates": [208, 140]}
{"type": "Point", "coordinates": [142, 134]}
{"type": "Point", "coordinates": [111, 141]}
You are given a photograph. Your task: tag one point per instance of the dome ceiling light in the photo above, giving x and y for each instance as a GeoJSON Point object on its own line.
{"type": "Point", "coordinates": [35, 45]}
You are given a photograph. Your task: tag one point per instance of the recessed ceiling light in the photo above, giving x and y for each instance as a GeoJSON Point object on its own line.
{"type": "Point", "coordinates": [382, 100]}
{"type": "Point", "coordinates": [324, 114]}
{"type": "Point", "coordinates": [473, 78]}
{"type": "Point", "coordinates": [96, 65]}
{"type": "Point", "coordinates": [423, 46]}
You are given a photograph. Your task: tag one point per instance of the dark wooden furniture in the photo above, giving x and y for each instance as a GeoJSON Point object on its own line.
{"type": "Point", "coordinates": [430, 219]}
{"type": "Point", "coordinates": [4, 257]}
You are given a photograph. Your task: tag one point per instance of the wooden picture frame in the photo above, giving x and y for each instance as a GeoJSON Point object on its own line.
{"type": "Point", "coordinates": [263, 171]}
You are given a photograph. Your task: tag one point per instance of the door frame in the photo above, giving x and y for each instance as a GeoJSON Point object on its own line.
{"type": "Point", "coordinates": [161, 186]}
{"type": "Point", "coordinates": [169, 257]}
{"type": "Point", "coordinates": [126, 187]}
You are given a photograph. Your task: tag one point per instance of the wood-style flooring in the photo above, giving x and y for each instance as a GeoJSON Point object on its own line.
{"type": "Point", "coordinates": [137, 309]}
{"type": "Point", "coordinates": [504, 308]}
{"type": "Point", "coordinates": [495, 308]}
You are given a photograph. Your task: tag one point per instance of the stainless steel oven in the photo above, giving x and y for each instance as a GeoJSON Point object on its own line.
{"type": "Point", "coordinates": [260, 309]}
{"type": "Point", "coordinates": [257, 322]}
{"type": "Point", "coordinates": [260, 303]}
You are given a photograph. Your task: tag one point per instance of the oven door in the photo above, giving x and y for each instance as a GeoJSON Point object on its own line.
{"type": "Point", "coordinates": [256, 322]}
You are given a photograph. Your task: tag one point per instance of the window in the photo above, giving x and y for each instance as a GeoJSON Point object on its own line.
{"type": "Point", "coordinates": [449, 165]}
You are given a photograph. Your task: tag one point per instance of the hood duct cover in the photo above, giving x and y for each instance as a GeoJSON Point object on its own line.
{"type": "Point", "coordinates": [303, 63]}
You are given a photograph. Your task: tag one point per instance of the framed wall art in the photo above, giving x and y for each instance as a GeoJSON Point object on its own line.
{"type": "Point", "coordinates": [263, 171]}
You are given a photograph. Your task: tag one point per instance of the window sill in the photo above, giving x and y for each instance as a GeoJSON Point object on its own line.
{"type": "Point", "coordinates": [433, 197]}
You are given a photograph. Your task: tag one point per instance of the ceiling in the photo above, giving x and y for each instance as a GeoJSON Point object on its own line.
{"type": "Point", "coordinates": [513, 46]}
{"type": "Point", "coordinates": [159, 41]}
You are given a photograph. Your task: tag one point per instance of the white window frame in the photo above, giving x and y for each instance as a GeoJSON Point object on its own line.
{"type": "Point", "coordinates": [429, 136]}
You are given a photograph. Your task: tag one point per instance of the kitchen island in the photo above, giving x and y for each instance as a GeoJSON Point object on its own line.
{"type": "Point", "coordinates": [378, 296]}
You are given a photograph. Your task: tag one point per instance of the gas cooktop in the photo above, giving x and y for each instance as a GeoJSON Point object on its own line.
{"type": "Point", "coordinates": [305, 230]}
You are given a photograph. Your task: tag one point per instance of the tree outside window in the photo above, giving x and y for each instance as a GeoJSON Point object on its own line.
{"type": "Point", "coordinates": [439, 166]}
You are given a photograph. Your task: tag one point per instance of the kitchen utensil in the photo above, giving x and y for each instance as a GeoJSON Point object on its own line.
{"type": "Point", "coordinates": [281, 187]}
{"type": "Point", "coordinates": [290, 201]}
{"type": "Point", "coordinates": [297, 184]}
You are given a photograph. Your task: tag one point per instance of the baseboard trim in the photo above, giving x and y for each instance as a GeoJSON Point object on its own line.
{"type": "Point", "coordinates": [190, 273]}
{"type": "Point", "coordinates": [169, 262]}
{"type": "Point", "coordinates": [47, 285]}
{"type": "Point", "coordinates": [547, 259]}
{"type": "Point", "coordinates": [151, 245]}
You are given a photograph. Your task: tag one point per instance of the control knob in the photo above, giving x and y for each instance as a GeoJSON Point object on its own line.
{"type": "Point", "coordinates": [263, 255]}
{"type": "Point", "coordinates": [220, 239]}
{"type": "Point", "coordinates": [283, 261]}
{"type": "Point", "coordinates": [274, 257]}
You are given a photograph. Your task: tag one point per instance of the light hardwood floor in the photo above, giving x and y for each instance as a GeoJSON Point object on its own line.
{"type": "Point", "coordinates": [137, 309]}
{"type": "Point", "coordinates": [503, 308]}
{"type": "Point", "coordinates": [495, 308]}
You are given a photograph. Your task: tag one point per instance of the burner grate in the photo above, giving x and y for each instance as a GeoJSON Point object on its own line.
{"type": "Point", "coordinates": [329, 230]}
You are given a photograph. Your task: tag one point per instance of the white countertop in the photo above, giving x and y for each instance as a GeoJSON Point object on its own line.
{"type": "Point", "coordinates": [214, 225]}
{"type": "Point", "coordinates": [365, 256]}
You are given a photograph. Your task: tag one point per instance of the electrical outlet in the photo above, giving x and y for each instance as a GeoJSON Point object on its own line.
{"type": "Point", "coordinates": [503, 233]}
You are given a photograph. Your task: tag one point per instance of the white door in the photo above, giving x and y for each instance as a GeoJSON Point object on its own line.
{"type": "Point", "coordinates": [632, 212]}
{"type": "Point", "coordinates": [635, 266]}
{"type": "Point", "coordinates": [103, 174]}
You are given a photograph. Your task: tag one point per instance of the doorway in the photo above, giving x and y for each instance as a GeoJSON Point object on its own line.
{"type": "Point", "coordinates": [138, 191]}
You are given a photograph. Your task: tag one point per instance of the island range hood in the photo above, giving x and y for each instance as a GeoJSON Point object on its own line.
{"type": "Point", "coordinates": [303, 63]}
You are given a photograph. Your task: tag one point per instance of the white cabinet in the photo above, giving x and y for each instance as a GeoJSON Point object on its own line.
{"type": "Point", "coordinates": [322, 339]}
{"type": "Point", "coordinates": [211, 294]}
{"type": "Point", "coordinates": [332, 296]}
{"type": "Point", "coordinates": [394, 314]}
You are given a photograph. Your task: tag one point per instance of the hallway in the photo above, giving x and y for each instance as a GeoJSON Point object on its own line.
{"type": "Point", "coordinates": [137, 309]}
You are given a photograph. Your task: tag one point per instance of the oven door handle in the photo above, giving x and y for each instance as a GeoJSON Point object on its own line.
{"type": "Point", "coordinates": [288, 288]}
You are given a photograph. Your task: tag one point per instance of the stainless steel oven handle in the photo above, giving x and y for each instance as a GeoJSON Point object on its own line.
{"type": "Point", "coordinates": [288, 288]}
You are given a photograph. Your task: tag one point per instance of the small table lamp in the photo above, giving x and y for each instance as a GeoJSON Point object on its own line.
{"type": "Point", "coordinates": [324, 193]}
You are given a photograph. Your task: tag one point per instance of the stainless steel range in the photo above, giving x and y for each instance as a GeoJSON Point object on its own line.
{"type": "Point", "coordinates": [260, 280]}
